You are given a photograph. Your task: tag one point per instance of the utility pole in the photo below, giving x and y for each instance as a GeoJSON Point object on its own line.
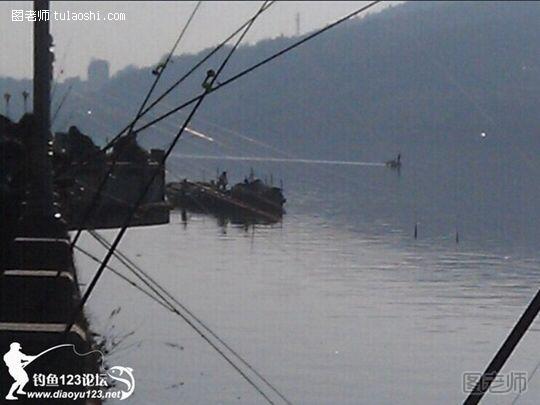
{"type": "Point", "coordinates": [297, 24]}
{"type": "Point", "coordinates": [40, 212]}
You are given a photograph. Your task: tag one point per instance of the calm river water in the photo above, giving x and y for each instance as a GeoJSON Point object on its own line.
{"type": "Point", "coordinates": [339, 304]}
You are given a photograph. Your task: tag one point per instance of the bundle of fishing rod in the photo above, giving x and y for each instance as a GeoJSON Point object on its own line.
{"type": "Point", "coordinates": [143, 281]}
{"type": "Point", "coordinates": [140, 279]}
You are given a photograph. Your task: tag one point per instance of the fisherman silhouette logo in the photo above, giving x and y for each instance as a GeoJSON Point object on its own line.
{"type": "Point", "coordinates": [125, 376]}
{"type": "Point", "coordinates": [16, 361]}
{"type": "Point", "coordinates": [115, 383]}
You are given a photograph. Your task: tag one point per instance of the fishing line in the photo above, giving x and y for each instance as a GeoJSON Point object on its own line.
{"type": "Point", "coordinates": [264, 62]}
{"type": "Point", "coordinates": [531, 303]}
{"type": "Point", "coordinates": [61, 66]}
{"type": "Point", "coordinates": [163, 301]}
{"type": "Point", "coordinates": [61, 104]}
{"type": "Point", "coordinates": [456, 189]}
{"type": "Point", "coordinates": [163, 66]}
{"type": "Point", "coordinates": [185, 76]}
{"type": "Point", "coordinates": [178, 82]}
{"type": "Point", "coordinates": [246, 71]}
{"type": "Point", "coordinates": [288, 157]}
{"type": "Point", "coordinates": [115, 107]}
{"type": "Point", "coordinates": [261, 63]}
{"type": "Point", "coordinates": [415, 207]}
{"type": "Point", "coordinates": [160, 129]}
{"type": "Point", "coordinates": [124, 228]}
{"type": "Point", "coordinates": [280, 160]}
{"type": "Point", "coordinates": [123, 111]}
{"type": "Point", "coordinates": [531, 375]}
{"type": "Point", "coordinates": [166, 132]}
{"type": "Point", "coordinates": [111, 109]}
{"type": "Point", "coordinates": [132, 266]}
{"type": "Point", "coordinates": [323, 168]}
{"type": "Point", "coordinates": [95, 199]}
{"type": "Point", "coordinates": [126, 279]}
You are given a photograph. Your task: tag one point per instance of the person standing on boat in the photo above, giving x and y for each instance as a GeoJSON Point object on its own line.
{"type": "Point", "coordinates": [223, 181]}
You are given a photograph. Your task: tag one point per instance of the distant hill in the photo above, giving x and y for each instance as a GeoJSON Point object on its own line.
{"type": "Point", "coordinates": [364, 90]}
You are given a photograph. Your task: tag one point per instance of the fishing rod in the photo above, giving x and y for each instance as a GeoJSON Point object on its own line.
{"type": "Point", "coordinates": [343, 19]}
{"type": "Point", "coordinates": [113, 141]}
{"type": "Point", "coordinates": [158, 72]}
{"type": "Point", "coordinates": [259, 64]}
{"type": "Point", "coordinates": [502, 355]}
{"type": "Point", "coordinates": [109, 107]}
{"type": "Point", "coordinates": [150, 182]}
{"type": "Point", "coordinates": [211, 79]}
{"type": "Point", "coordinates": [96, 197]}
{"type": "Point", "coordinates": [325, 167]}
{"type": "Point", "coordinates": [244, 72]}
{"type": "Point", "coordinates": [287, 157]}
{"type": "Point", "coordinates": [116, 108]}
{"type": "Point", "coordinates": [186, 75]}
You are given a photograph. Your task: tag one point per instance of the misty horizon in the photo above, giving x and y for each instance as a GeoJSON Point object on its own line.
{"type": "Point", "coordinates": [156, 26]}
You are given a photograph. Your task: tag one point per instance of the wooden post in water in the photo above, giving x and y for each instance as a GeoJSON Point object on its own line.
{"type": "Point", "coordinates": [7, 97]}
{"type": "Point", "coordinates": [25, 95]}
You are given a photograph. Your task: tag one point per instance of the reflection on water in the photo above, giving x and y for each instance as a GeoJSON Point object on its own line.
{"type": "Point", "coordinates": [339, 303]}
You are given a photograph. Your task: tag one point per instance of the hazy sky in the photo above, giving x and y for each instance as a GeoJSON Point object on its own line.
{"type": "Point", "coordinates": [149, 30]}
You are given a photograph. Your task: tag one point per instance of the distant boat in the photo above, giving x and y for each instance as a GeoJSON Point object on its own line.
{"type": "Point", "coordinates": [394, 163]}
{"type": "Point", "coordinates": [244, 202]}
